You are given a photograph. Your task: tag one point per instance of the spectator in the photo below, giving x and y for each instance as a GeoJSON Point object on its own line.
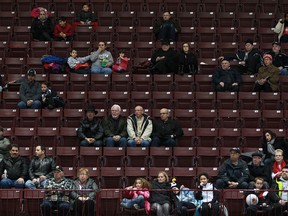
{"type": "Point", "coordinates": [78, 64]}
{"type": "Point", "coordinates": [84, 193]}
{"type": "Point", "coordinates": [280, 59]}
{"type": "Point", "coordinates": [40, 169]}
{"type": "Point", "coordinates": [42, 27]}
{"type": "Point", "coordinates": [208, 197]}
{"type": "Point", "coordinates": [233, 173]}
{"type": "Point", "coordinates": [281, 185]}
{"type": "Point", "coordinates": [164, 60]}
{"type": "Point", "coordinates": [249, 59]}
{"type": "Point", "coordinates": [270, 142]}
{"type": "Point", "coordinates": [137, 195]}
{"type": "Point", "coordinates": [115, 128]}
{"type": "Point", "coordinates": [161, 201]}
{"type": "Point", "coordinates": [266, 199]}
{"type": "Point", "coordinates": [184, 198]}
{"type": "Point", "coordinates": [165, 130]}
{"type": "Point", "coordinates": [90, 131]}
{"type": "Point", "coordinates": [57, 194]}
{"type": "Point", "coordinates": [268, 76]}
{"type": "Point", "coordinates": [50, 98]}
{"type": "Point", "coordinates": [63, 31]}
{"type": "Point", "coordinates": [187, 61]}
{"type": "Point", "coordinates": [13, 169]}
{"type": "Point", "coordinates": [166, 28]}
{"type": "Point", "coordinates": [121, 63]}
{"type": "Point", "coordinates": [278, 164]}
{"type": "Point", "coordinates": [30, 92]}
{"type": "Point", "coordinates": [226, 78]}
{"type": "Point", "coordinates": [86, 17]}
{"type": "Point", "coordinates": [1, 84]}
{"type": "Point", "coordinates": [102, 60]}
{"type": "Point", "coordinates": [139, 128]}
{"type": "Point", "coordinates": [258, 169]}
{"type": "Point", "coordinates": [281, 29]}
{"type": "Point", "coordinates": [4, 144]}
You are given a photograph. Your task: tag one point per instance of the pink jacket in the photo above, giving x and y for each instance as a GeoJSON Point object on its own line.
{"type": "Point", "coordinates": [132, 194]}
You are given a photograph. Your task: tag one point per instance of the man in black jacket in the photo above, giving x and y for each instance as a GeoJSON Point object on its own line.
{"type": "Point", "coordinates": [280, 59]}
{"type": "Point", "coordinates": [13, 169]}
{"type": "Point", "coordinates": [40, 169]}
{"type": "Point", "coordinates": [165, 130]}
{"type": "Point", "coordinates": [90, 131]}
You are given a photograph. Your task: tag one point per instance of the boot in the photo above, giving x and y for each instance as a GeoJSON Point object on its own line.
{"type": "Point", "coordinates": [181, 69]}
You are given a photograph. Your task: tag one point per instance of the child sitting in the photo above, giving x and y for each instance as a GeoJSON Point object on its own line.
{"type": "Point", "coordinates": [86, 17]}
{"type": "Point", "coordinates": [50, 98]}
{"type": "Point", "coordinates": [184, 198]}
{"type": "Point", "coordinates": [137, 195]}
{"type": "Point", "coordinates": [78, 64]}
{"type": "Point", "coordinates": [121, 63]}
{"type": "Point", "coordinates": [208, 197]}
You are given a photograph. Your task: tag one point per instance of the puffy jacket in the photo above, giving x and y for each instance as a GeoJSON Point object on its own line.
{"type": "Point", "coordinates": [43, 167]}
{"type": "Point", "coordinates": [16, 167]}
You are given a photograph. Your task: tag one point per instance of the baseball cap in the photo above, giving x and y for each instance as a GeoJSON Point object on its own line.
{"type": "Point", "coordinates": [235, 149]}
{"type": "Point", "coordinates": [58, 169]}
{"type": "Point", "coordinates": [31, 72]}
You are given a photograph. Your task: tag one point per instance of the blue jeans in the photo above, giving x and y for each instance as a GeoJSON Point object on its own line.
{"type": "Point", "coordinates": [35, 105]}
{"type": "Point", "coordinates": [62, 207]}
{"type": "Point", "coordinates": [132, 143]}
{"type": "Point", "coordinates": [156, 141]}
{"type": "Point", "coordinates": [129, 203]}
{"type": "Point", "coordinates": [100, 70]}
{"type": "Point", "coordinates": [284, 71]}
{"type": "Point", "coordinates": [31, 185]}
{"type": "Point", "coordinates": [7, 183]}
{"type": "Point", "coordinates": [111, 143]}
{"type": "Point", "coordinates": [97, 143]}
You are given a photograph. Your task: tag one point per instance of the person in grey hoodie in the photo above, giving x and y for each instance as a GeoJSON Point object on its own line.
{"type": "Point", "coordinates": [101, 59]}
{"type": "Point", "coordinates": [77, 64]}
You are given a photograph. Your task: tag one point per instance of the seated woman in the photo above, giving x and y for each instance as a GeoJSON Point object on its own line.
{"type": "Point", "coordinates": [84, 193]}
{"type": "Point", "coordinates": [161, 201]}
{"type": "Point", "coordinates": [187, 61]}
{"type": "Point", "coordinates": [278, 164]}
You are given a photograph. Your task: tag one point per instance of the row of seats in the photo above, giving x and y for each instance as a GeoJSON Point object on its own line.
{"type": "Point", "coordinates": [202, 136]}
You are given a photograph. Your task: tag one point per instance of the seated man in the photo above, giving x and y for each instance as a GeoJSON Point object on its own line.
{"type": "Point", "coordinates": [115, 128]}
{"type": "Point", "coordinates": [139, 128]}
{"type": "Point", "coordinates": [166, 130]}
{"type": "Point", "coordinates": [90, 131]}
{"type": "Point", "coordinates": [166, 28]}
{"type": "Point", "coordinates": [63, 31]}
{"type": "Point", "coordinates": [56, 197]}
{"type": "Point", "coordinates": [13, 169]}
{"type": "Point", "coordinates": [233, 173]}
{"type": "Point", "coordinates": [268, 76]}
{"type": "Point", "coordinates": [164, 60]}
{"type": "Point", "coordinates": [101, 59]}
{"type": "Point", "coordinates": [226, 78]}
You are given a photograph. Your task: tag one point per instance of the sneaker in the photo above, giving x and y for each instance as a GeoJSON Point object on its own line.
{"type": "Point", "coordinates": [136, 206]}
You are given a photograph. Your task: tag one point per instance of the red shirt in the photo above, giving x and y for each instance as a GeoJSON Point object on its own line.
{"type": "Point", "coordinates": [67, 29]}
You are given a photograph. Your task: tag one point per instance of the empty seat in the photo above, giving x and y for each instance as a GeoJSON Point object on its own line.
{"type": "Point", "coordinates": [9, 118]}
{"type": "Point", "coordinates": [273, 118]}
{"type": "Point", "coordinates": [187, 140]}
{"type": "Point", "coordinates": [184, 100]}
{"type": "Point", "coordinates": [144, 49]}
{"type": "Point", "coordinates": [225, 19]}
{"type": "Point", "coordinates": [122, 98]}
{"type": "Point", "coordinates": [32, 200]}
{"type": "Point", "coordinates": [184, 156]}
{"type": "Point", "coordinates": [132, 173]}
{"type": "Point", "coordinates": [213, 172]}
{"type": "Point", "coordinates": [47, 136]}
{"type": "Point", "coordinates": [76, 99]}
{"type": "Point", "coordinates": [141, 98]}
{"type": "Point", "coordinates": [24, 136]}
{"type": "Point", "coordinates": [29, 117]}
{"type": "Point", "coordinates": [185, 117]}
{"type": "Point", "coordinates": [98, 98]}
{"type": "Point", "coordinates": [14, 65]}
{"type": "Point", "coordinates": [10, 201]}
{"type": "Point", "coordinates": [144, 33]}
{"type": "Point", "coordinates": [206, 137]}
{"type": "Point", "coordinates": [22, 33]}
{"type": "Point", "coordinates": [137, 157]}
{"type": "Point", "coordinates": [84, 33]}
{"type": "Point", "coordinates": [112, 156]}
{"type": "Point", "coordinates": [26, 152]}
{"type": "Point", "coordinates": [204, 82]}
{"type": "Point", "coordinates": [141, 82]}
{"type": "Point", "coordinates": [205, 100]}
{"type": "Point", "coordinates": [40, 48]}
{"type": "Point", "coordinates": [251, 118]}
{"type": "Point", "coordinates": [227, 100]}
{"type": "Point", "coordinates": [7, 18]}
{"type": "Point", "coordinates": [67, 156]}
{"type": "Point", "coordinates": [246, 33]}
{"type": "Point", "coordinates": [185, 175]}
{"type": "Point", "coordinates": [104, 33]}
{"type": "Point", "coordinates": [229, 118]}
{"type": "Point", "coordinates": [233, 200]}
{"type": "Point", "coordinates": [70, 172]}
{"type": "Point", "coordinates": [184, 82]}
{"type": "Point", "coordinates": [68, 136]}
{"type": "Point", "coordinates": [160, 156]}
{"type": "Point", "coordinates": [207, 49]}
{"type": "Point", "coordinates": [249, 100]}
{"type": "Point", "coordinates": [207, 156]}
{"type": "Point", "coordinates": [125, 18]}
{"type": "Point", "coordinates": [112, 177]}
{"type": "Point", "coordinates": [10, 99]}
{"type": "Point", "coordinates": [270, 100]}
{"type": "Point", "coordinates": [229, 137]}
{"type": "Point", "coordinates": [206, 34]}
{"type": "Point", "coordinates": [24, 17]}
{"type": "Point", "coordinates": [188, 33]}
{"type": "Point", "coordinates": [206, 118]}
{"type": "Point", "coordinates": [121, 82]}
{"type": "Point", "coordinates": [186, 18]}
{"type": "Point", "coordinates": [100, 82]}
{"type": "Point", "coordinates": [79, 82]}
{"type": "Point", "coordinates": [162, 99]}
{"type": "Point", "coordinates": [51, 118]}
{"type": "Point", "coordinates": [251, 137]}
{"type": "Point", "coordinates": [61, 48]}
{"type": "Point", "coordinates": [3, 49]}
{"type": "Point", "coordinates": [90, 156]}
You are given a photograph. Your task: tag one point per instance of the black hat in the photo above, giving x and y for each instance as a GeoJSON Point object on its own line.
{"type": "Point", "coordinates": [165, 43]}
{"type": "Point", "coordinates": [276, 43]}
{"type": "Point", "coordinates": [91, 108]}
{"type": "Point", "coordinates": [257, 153]}
{"type": "Point", "coordinates": [31, 72]}
{"type": "Point", "coordinates": [235, 149]}
{"type": "Point", "coordinates": [249, 41]}
{"type": "Point", "coordinates": [174, 184]}
{"type": "Point", "coordinates": [58, 169]}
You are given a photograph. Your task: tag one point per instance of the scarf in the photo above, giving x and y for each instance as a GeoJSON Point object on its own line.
{"type": "Point", "coordinates": [270, 146]}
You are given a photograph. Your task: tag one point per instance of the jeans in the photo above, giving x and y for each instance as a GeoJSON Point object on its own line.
{"type": "Point", "coordinates": [132, 143]}
{"type": "Point", "coordinates": [97, 143]}
{"type": "Point", "coordinates": [129, 203]}
{"type": "Point", "coordinates": [35, 105]}
{"type": "Point", "coordinates": [31, 185]}
{"type": "Point", "coordinates": [7, 183]}
{"type": "Point", "coordinates": [156, 142]}
{"type": "Point", "coordinates": [111, 143]}
{"type": "Point", "coordinates": [167, 32]}
{"type": "Point", "coordinates": [220, 184]}
{"type": "Point", "coordinates": [284, 71]}
{"type": "Point", "coordinates": [183, 206]}
{"type": "Point", "coordinates": [161, 209]}
{"type": "Point", "coordinates": [62, 207]}
{"type": "Point", "coordinates": [100, 70]}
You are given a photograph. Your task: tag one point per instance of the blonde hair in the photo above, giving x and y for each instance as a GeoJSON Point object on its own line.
{"type": "Point", "coordinates": [83, 170]}
{"type": "Point", "coordinates": [165, 175]}
{"type": "Point", "coordinates": [144, 182]}
{"type": "Point", "coordinates": [279, 151]}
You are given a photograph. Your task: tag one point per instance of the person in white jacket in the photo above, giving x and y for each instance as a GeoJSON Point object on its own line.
{"type": "Point", "coordinates": [281, 29]}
